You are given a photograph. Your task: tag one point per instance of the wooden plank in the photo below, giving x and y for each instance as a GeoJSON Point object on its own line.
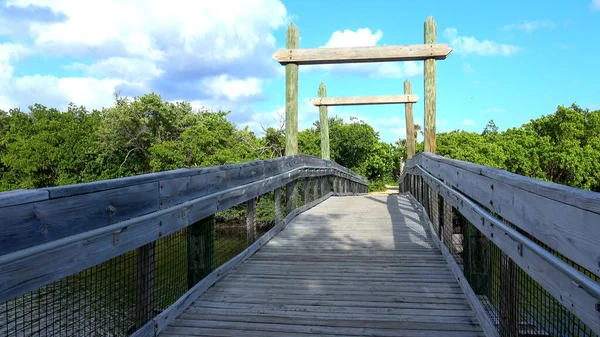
{"type": "Point", "coordinates": [571, 288]}
{"type": "Point", "coordinates": [482, 317]}
{"type": "Point", "coordinates": [410, 127]}
{"type": "Point", "coordinates": [161, 321]}
{"type": "Point", "coordinates": [385, 323]}
{"type": "Point", "coordinates": [273, 291]}
{"type": "Point", "coordinates": [54, 259]}
{"type": "Point", "coordinates": [417, 52]}
{"type": "Point", "coordinates": [292, 41]}
{"type": "Point", "coordinates": [567, 227]}
{"type": "Point", "coordinates": [17, 197]}
{"type": "Point", "coordinates": [32, 224]}
{"type": "Point", "coordinates": [364, 100]}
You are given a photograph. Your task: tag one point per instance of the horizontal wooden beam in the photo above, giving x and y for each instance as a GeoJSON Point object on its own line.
{"type": "Point", "coordinates": [364, 100]}
{"type": "Point", "coordinates": [413, 52]}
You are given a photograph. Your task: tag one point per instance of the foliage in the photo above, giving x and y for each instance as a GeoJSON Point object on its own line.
{"type": "Point", "coordinates": [46, 147]}
{"type": "Point", "coordinates": [563, 147]}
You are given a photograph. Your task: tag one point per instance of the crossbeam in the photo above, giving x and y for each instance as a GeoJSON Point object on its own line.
{"type": "Point", "coordinates": [364, 100]}
{"type": "Point", "coordinates": [416, 52]}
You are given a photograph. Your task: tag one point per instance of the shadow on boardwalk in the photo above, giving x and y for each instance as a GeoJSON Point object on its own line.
{"type": "Point", "coordinates": [352, 266]}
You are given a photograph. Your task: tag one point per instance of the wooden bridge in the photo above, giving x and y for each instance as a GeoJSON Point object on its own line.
{"type": "Point", "coordinates": [296, 246]}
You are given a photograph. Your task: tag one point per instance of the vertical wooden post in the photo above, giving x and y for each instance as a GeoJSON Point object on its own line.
{"type": "Point", "coordinates": [430, 99]}
{"type": "Point", "coordinates": [315, 188]}
{"type": "Point", "coordinates": [476, 255]}
{"type": "Point", "coordinates": [251, 221]}
{"type": "Point", "coordinates": [509, 314]}
{"type": "Point", "coordinates": [291, 95]}
{"type": "Point", "coordinates": [306, 190]}
{"type": "Point", "coordinates": [278, 216]}
{"type": "Point", "coordinates": [324, 122]}
{"type": "Point", "coordinates": [145, 284]}
{"type": "Point", "coordinates": [324, 189]}
{"type": "Point", "coordinates": [291, 201]}
{"type": "Point", "coordinates": [201, 249]}
{"type": "Point", "coordinates": [447, 224]}
{"type": "Point", "coordinates": [410, 125]}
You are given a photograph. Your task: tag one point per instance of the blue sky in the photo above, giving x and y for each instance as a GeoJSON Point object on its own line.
{"type": "Point", "coordinates": [511, 60]}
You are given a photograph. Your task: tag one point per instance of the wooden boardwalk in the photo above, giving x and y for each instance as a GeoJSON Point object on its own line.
{"type": "Point", "coordinates": [351, 266]}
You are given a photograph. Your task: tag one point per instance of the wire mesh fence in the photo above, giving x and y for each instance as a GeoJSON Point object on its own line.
{"type": "Point", "coordinates": [516, 304]}
{"type": "Point", "coordinates": [120, 295]}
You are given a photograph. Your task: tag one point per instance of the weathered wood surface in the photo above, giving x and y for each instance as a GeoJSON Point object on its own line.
{"type": "Point", "coordinates": [364, 100]}
{"type": "Point", "coordinates": [577, 292]}
{"type": "Point", "coordinates": [324, 124]}
{"type": "Point", "coordinates": [429, 79]}
{"type": "Point", "coordinates": [362, 54]}
{"type": "Point", "coordinates": [291, 95]}
{"type": "Point", "coordinates": [352, 266]}
{"type": "Point", "coordinates": [564, 218]}
{"type": "Point", "coordinates": [107, 226]}
{"type": "Point", "coordinates": [410, 126]}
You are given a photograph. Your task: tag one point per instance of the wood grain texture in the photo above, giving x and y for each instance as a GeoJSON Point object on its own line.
{"type": "Point", "coordinates": [534, 206]}
{"type": "Point", "coordinates": [484, 320]}
{"type": "Point", "coordinates": [32, 224]}
{"type": "Point", "coordinates": [410, 126]}
{"type": "Point", "coordinates": [160, 322]}
{"type": "Point", "coordinates": [324, 124]}
{"type": "Point", "coordinates": [291, 95]}
{"type": "Point", "coordinates": [360, 266]}
{"type": "Point", "coordinates": [430, 88]}
{"type": "Point", "coordinates": [578, 293]}
{"type": "Point", "coordinates": [362, 54]}
{"type": "Point", "coordinates": [364, 100]}
{"type": "Point", "coordinates": [29, 269]}
{"type": "Point", "coordinates": [17, 197]}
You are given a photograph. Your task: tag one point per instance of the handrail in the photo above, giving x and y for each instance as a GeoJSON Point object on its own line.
{"type": "Point", "coordinates": [178, 201]}
{"type": "Point", "coordinates": [576, 291]}
{"type": "Point", "coordinates": [557, 215]}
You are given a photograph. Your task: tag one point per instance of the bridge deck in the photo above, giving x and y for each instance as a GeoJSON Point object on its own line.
{"type": "Point", "coordinates": [351, 266]}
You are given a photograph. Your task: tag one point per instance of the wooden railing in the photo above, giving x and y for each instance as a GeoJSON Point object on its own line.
{"type": "Point", "coordinates": [526, 252]}
{"type": "Point", "coordinates": [46, 235]}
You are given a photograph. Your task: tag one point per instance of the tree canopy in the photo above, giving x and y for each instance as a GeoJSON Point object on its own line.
{"type": "Point", "coordinates": [46, 147]}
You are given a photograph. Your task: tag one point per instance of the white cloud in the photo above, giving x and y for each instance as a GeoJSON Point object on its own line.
{"type": "Point", "coordinates": [595, 5]}
{"type": "Point", "coordinates": [201, 50]}
{"type": "Point", "coordinates": [364, 37]}
{"type": "Point", "coordinates": [467, 122]}
{"type": "Point", "coordinates": [231, 88]}
{"type": "Point", "coordinates": [470, 45]}
{"type": "Point", "coordinates": [530, 26]}
{"type": "Point", "coordinates": [493, 110]}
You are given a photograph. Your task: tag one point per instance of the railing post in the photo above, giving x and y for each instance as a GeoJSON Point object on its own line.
{"type": "Point", "coordinates": [323, 180]}
{"type": "Point", "coordinates": [306, 191]}
{"type": "Point", "coordinates": [278, 216]}
{"type": "Point", "coordinates": [475, 267]}
{"type": "Point", "coordinates": [291, 201]}
{"type": "Point", "coordinates": [145, 284]}
{"type": "Point", "coordinates": [448, 218]}
{"type": "Point", "coordinates": [315, 187]}
{"type": "Point", "coordinates": [251, 220]}
{"type": "Point", "coordinates": [201, 249]}
{"type": "Point", "coordinates": [509, 315]}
